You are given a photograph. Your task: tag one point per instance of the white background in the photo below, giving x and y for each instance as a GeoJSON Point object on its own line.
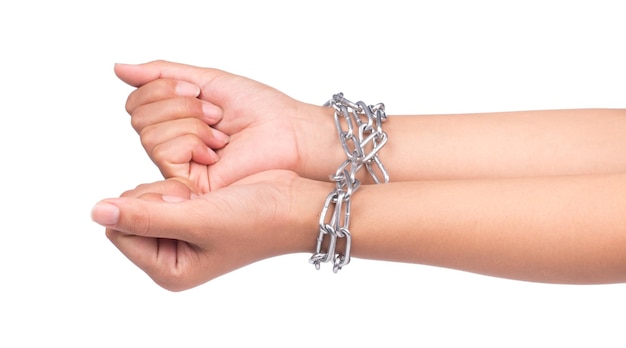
{"type": "Point", "coordinates": [66, 142]}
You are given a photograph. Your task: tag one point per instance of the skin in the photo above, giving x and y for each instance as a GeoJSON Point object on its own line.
{"type": "Point", "coordinates": [185, 115]}
{"type": "Point", "coordinates": [533, 195]}
{"type": "Point", "coordinates": [573, 234]}
{"type": "Point", "coordinates": [212, 239]}
{"type": "Point", "coordinates": [167, 112]}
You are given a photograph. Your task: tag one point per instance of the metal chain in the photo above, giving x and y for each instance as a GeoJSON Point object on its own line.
{"type": "Point", "coordinates": [361, 141]}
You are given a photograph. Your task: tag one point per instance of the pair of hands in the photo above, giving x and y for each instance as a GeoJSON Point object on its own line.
{"type": "Point", "coordinates": [234, 153]}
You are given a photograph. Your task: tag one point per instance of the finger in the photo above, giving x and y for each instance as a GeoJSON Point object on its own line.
{"type": "Point", "coordinates": [139, 74]}
{"type": "Point", "coordinates": [173, 187]}
{"type": "Point", "coordinates": [173, 109]}
{"type": "Point", "coordinates": [170, 263]}
{"type": "Point", "coordinates": [160, 258]}
{"type": "Point", "coordinates": [160, 133]}
{"type": "Point", "coordinates": [217, 93]}
{"type": "Point", "coordinates": [173, 157]}
{"type": "Point", "coordinates": [158, 90]}
{"type": "Point", "coordinates": [150, 218]}
{"type": "Point", "coordinates": [140, 250]}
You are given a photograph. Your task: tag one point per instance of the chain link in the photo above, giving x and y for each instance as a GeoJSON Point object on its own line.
{"type": "Point", "coordinates": [361, 140]}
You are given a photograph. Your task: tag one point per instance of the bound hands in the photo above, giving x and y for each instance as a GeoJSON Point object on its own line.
{"type": "Point", "coordinates": [186, 115]}
{"type": "Point", "coordinates": [182, 240]}
{"type": "Point", "coordinates": [231, 150]}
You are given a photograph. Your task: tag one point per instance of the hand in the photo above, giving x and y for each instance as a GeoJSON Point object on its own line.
{"type": "Point", "coordinates": [185, 115]}
{"type": "Point", "coordinates": [182, 240]}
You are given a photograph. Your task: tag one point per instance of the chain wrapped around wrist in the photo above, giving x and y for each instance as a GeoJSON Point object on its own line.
{"type": "Point", "coordinates": [361, 139]}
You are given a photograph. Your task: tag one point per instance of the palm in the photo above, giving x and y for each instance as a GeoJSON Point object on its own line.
{"type": "Point", "coordinates": [222, 234]}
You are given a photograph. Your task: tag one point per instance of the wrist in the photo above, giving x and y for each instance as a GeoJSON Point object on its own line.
{"type": "Point", "coordinates": [361, 137]}
{"type": "Point", "coordinates": [319, 148]}
{"type": "Point", "coordinates": [308, 198]}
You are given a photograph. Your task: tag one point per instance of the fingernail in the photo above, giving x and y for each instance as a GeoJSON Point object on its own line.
{"type": "Point", "coordinates": [214, 157]}
{"type": "Point", "coordinates": [212, 113]}
{"type": "Point", "coordinates": [123, 64]}
{"type": "Point", "coordinates": [220, 136]}
{"type": "Point", "coordinates": [172, 199]}
{"type": "Point", "coordinates": [187, 89]}
{"type": "Point", "coordinates": [105, 214]}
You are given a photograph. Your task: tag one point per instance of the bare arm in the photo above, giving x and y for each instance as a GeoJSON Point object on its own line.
{"type": "Point", "coordinates": [504, 145]}
{"type": "Point", "coordinates": [185, 115]}
{"type": "Point", "coordinates": [532, 195]}
{"type": "Point", "coordinates": [569, 229]}
{"type": "Point", "coordinates": [559, 229]}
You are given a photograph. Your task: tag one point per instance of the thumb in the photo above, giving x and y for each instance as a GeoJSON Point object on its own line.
{"type": "Point", "coordinates": [155, 218]}
{"type": "Point", "coordinates": [139, 74]}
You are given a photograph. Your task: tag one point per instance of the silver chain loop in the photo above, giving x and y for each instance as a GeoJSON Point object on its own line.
{"type": "Point", "coordinates": [361, 140]}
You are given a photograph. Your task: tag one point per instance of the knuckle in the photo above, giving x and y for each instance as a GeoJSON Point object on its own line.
{"type": "Point", "coordinates": [147, 137]}
{"type": "Point", "coordinates": [162, 89]}
{"type": "Point", "coordinates": [159, 155]}
{"type": "Point", "coordinates": [141, 187]}
{"type": "Point", "coordinates": [141, 224]}
{"type": "Point", "coordinates": [136, 122]}
{"type": "Point", "coordinates": [189, 106]}
{"type": "Point", "coordinates": [128, 193]}
{"type": "Point", "coordinates": [130, 101]}
{"type": "Point", "coordinates": [171, 279]}
{"type": "Point", "coordinates": [197, 126]}
{"type": "Point", "coordinates": [188, 140]}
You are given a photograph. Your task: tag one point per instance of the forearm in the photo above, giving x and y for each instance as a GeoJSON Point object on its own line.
{"type": "Point", "coordinates": [513, 144]}
{"type": "Point", "coordinates": [559, 229]}
{"type": "Point", "coordinates": [489, 145]}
